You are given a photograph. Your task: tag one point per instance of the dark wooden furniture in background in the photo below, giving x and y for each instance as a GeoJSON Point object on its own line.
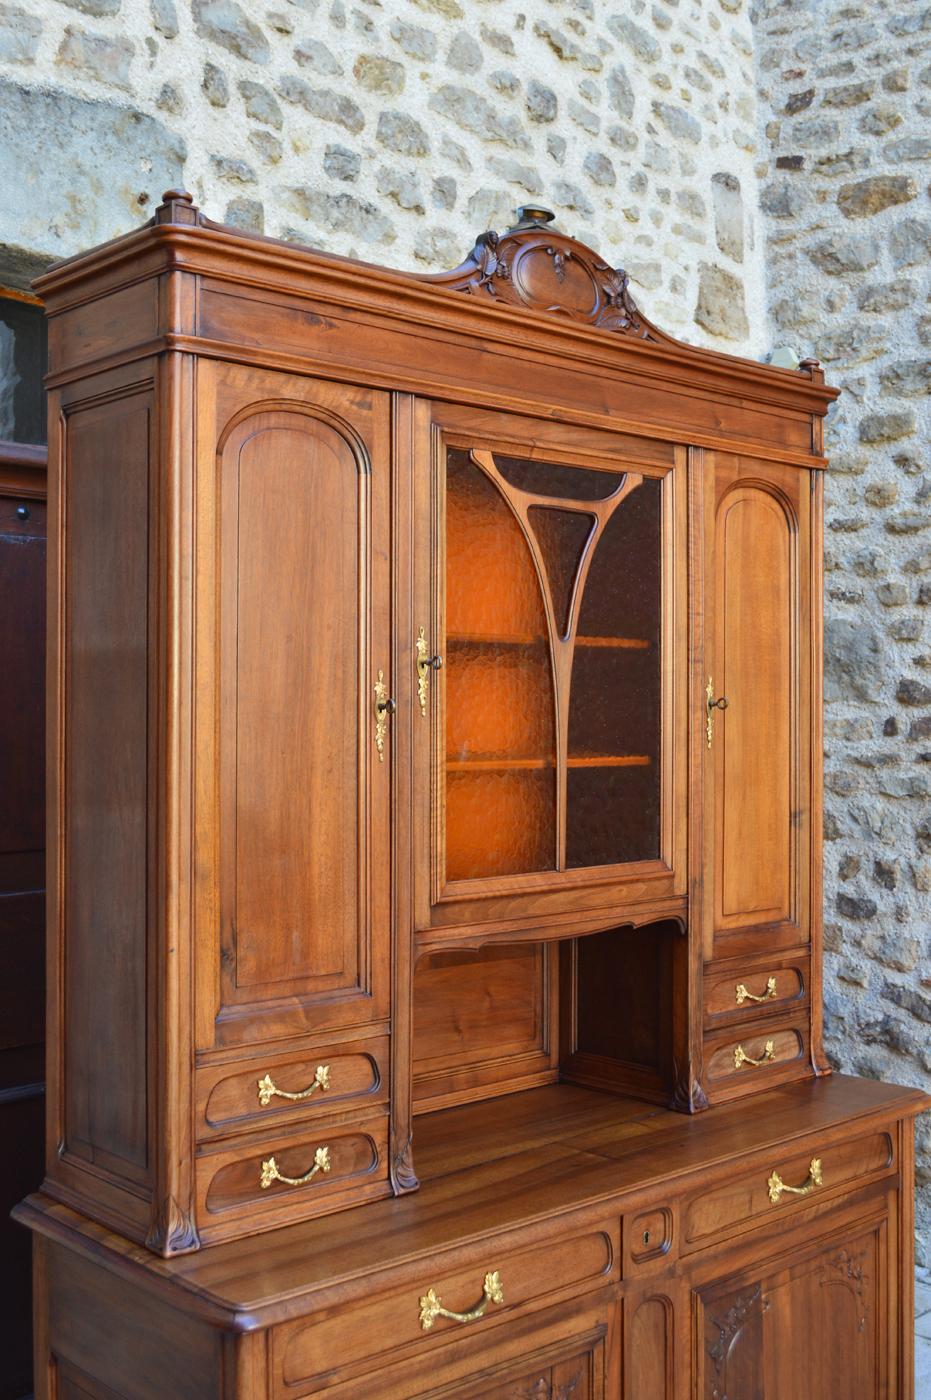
{"type": "Point", "coordinates": [22, 812]}
{"type": "Point", "coordinates": [434, 760]}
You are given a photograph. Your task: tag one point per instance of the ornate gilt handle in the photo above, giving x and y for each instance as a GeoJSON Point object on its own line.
{"type": "Point", "coordinates": [742, 994]}
{"type": "Point", "coordinates": [269, 1090]}
{"type": "Point", "coordinates": [425, 662]}
{"type": "Point", "coordinates": [710, 706]}
{"type": "Point", "coordinates": [384, 706]}
{"type": "Point", "coordinates": [431, 1308]}
{"type": "Point", "coordinates": [742, 1058]}
{"type": "Point", "coordinates": [271, 1173]}
{"type": "Point", "coordinates": [777, 1186]}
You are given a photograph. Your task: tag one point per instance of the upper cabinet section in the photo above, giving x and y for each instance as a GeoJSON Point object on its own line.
{"type": "Point", "coordinates": [548, 640]}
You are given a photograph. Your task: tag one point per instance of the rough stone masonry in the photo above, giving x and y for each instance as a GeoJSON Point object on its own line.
{"type": "Point", "coordinates": [762, 174]}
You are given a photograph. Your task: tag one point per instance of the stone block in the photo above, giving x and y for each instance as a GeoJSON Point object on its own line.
{"type": "Point", "coordinates": [111, 165]}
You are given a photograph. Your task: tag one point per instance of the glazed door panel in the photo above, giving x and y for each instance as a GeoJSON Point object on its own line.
{"type": "Point", "coordinates": [756, 700]}
{"type": "Point", "coordinates": [549, 614]}
{"type": "Point", "coordinates": [300, 478]}
{"type": "Point", "coordinates": [814, 1327]}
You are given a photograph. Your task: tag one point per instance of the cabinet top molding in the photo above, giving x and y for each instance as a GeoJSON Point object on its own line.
{"type": "Point", "coordinates": [560, 288]}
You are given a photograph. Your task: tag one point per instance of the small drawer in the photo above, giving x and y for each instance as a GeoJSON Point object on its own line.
{"type": "Point", "coordinates": [744, 993]}
{"type": "Point", "coordinates": [291, 1088]}
{"type": "Point", "coordinates": [755, 1057]}
{"type": "Point", "coordinates": [291, 1178]}
{"type": "Point", "coordinates": [443, 1304]}
{"type": "Point", "coordinates": [788, 1182]}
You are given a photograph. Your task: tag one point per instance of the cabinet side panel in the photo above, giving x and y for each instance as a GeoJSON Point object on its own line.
{"type": "Point", "coordinates": [104, 811]}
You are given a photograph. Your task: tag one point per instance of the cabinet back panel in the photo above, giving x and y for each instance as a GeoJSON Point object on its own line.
{"type": "Point", "coordinates": [483, 1023]}
{"type": "Point", "coordinates": [106, 517]}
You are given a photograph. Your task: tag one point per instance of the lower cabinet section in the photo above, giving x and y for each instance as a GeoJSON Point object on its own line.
{"type": "Point", "coordinates": [782, 1271]}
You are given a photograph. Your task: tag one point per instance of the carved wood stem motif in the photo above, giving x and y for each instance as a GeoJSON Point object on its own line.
{"type": "Point", "coordinates": [744, 1309]}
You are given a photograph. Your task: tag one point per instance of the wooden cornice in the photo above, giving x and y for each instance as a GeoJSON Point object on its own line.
{"type": "Point", "coordinates": [506, 293]}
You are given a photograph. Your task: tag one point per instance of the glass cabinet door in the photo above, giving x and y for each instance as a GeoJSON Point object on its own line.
{"type": "Point", "coordinates": [552, 584]}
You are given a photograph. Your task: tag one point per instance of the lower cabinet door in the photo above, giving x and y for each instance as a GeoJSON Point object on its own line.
{"type": "Point", "coordinates": [813, 1325]}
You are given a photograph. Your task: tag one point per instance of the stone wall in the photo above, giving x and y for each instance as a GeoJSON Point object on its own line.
{"type": "Point", "coordinates": [845, 153]}
{"type": "Point", "coordinates": [397, 130]}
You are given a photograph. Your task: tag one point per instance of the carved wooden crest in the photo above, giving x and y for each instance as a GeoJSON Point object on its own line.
{"type": "Point", "coordinates": [536, 266]}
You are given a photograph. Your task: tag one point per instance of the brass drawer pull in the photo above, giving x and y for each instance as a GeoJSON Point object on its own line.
{"type": "Point", "coordinates": [425, 663]}
{"type": "Point", "coordinates": [742, 1058]}
{"type": "Point", "coordinates": [742, 994]}
{"type": "Point", "coordinates": [431, 1308]}
{"type": "Point", "coordinates": [777, 1185]}
{"type": "Point", "coordinates": [269, 1090]}
{"type": "Point", "coordinates": [271, 1173]}
{"type": "Point", "coordinates": [384, 706]}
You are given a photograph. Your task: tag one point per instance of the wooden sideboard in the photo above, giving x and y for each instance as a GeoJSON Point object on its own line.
{"type": "Point", "coordinates": [435, 876]}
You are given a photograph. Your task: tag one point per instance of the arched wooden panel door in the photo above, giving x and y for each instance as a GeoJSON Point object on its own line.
{"type": "Point", "coordinates": [756, 705]}
{"type": "Point", "coordinates": [300, 559]}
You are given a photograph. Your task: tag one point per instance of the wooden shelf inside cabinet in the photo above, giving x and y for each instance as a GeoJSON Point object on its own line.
{"type": "Point", "coordinates": [501, 765]}
{"type": "Point", "coordinates": [470, 639]}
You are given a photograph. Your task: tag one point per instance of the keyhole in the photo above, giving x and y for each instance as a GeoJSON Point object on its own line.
{"type": "Point", "coordinates": [646, 1237]}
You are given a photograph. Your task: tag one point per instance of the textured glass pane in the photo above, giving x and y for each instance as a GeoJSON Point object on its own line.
{"type": "Point", "coordinates": [500, 728]}
{"type": "Point", "coordinates": [561, 537]}
{"type": "Point", "coordinates": [613, 782]}
{"type": "Point", "coordinates": [551, 479]}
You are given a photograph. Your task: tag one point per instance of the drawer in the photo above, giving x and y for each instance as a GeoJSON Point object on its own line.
{"type": "Point", "coordinates": [298, 1087]}
{"type": "Point", "coordinates": [754, 1057]}
{"type": "Point", "coordinates": [790, 1180]}
{"type": "Point", "coordinates": [745, 992]}
{"type": "Point", "coordinates": [281, 1179]}
{"type": "Point", "coordinates": [501, 1283]}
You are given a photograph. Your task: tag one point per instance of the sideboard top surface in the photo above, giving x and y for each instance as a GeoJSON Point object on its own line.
{"type": "Point", "coordinates": [485, 1168]}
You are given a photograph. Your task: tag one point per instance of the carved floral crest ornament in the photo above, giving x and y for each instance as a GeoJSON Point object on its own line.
{"type": "Point", "coordinates": [533, 264]}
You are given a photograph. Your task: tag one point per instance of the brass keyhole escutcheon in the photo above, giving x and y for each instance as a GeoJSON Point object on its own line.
{"type": "Point", "coordinates": [712, 704]}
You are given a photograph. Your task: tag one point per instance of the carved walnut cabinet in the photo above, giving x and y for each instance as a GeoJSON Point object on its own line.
{"type": "Point", "coordinates": [435, 877]}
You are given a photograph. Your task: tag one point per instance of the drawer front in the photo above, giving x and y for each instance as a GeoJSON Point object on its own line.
{"type": "Point", "coordinates": [406, 1322]}
{"type": "Point", "coordinates": [291, 1088]}
{"type": "Point", "coordinates": [754, 1057]}
{"type": "Point", "coordinates": [744, 993]}
{"type": "Point", "coordinates": [243, 1189]}
{"type": "Point", "coordinates": [791, 1180]}
{"type": "Point", "coordinates": [568, 1352]}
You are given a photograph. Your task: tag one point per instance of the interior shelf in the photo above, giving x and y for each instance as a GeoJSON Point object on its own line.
{"type": "Point", "coordinates": [493, 764]}
{"type": "Point", "coordinates": [483, 639]}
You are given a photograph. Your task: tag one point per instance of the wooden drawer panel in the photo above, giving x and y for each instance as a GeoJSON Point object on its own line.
{"type": "Point", "coordinates": [390, 1327]}
{"type": "Point", "coordinates": [241, 1098]}
{"type": "Point", "coordinates": [349, 1165]}
{"type": "Point", "coordinates": [754, 1057]}
{"type": "Point", "coordinates": [735, 995]}
{"type": "Point", "coordinates": [763, 1195]}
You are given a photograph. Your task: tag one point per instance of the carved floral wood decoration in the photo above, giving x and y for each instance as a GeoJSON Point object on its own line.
{"type": "Point", "coordinates": [536, 266]}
